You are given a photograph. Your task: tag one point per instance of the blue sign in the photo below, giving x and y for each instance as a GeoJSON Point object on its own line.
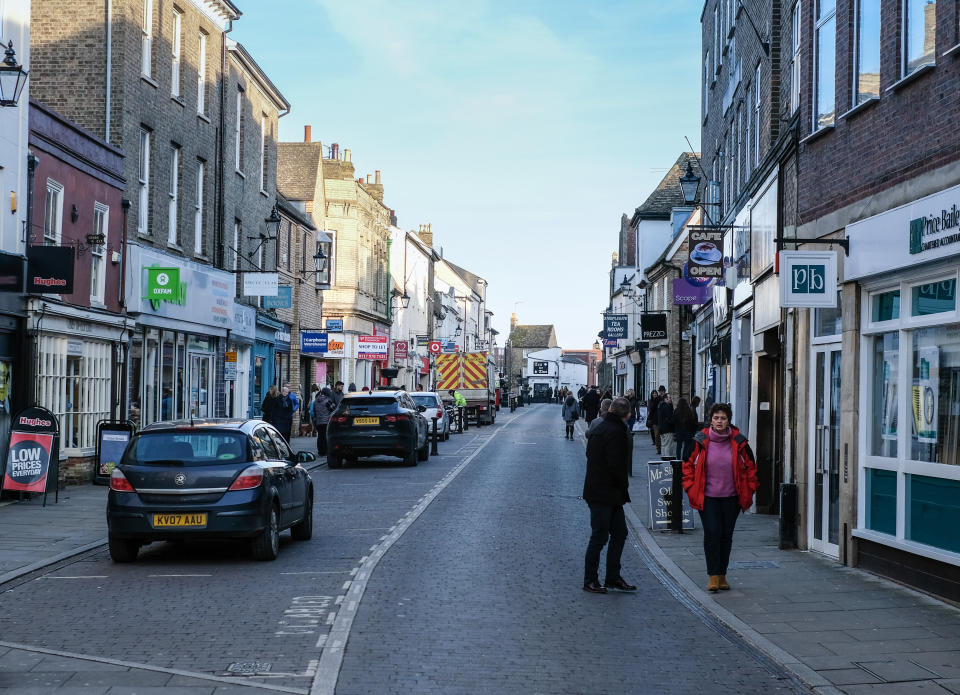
{"type": "Point", "coordinates": [615, 326]}
{"type": "Point", "coordinates": [313, 342]}
{"type": "Point", "coordinates": [334, 325]}
{"type": "Point", "coordinates": [611, 342]}
{"type": "Point", "coordinates": [283, 300]}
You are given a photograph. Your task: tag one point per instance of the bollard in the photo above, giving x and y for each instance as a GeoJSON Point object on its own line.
{"type": "Point", "coordinates": [513, 404]}
{"type": "Point", "coordinates": [466, 419]}
{"type": "Point", "coordinates": [433, 444]}
{"type": "Point", "coordinates": [676, 497]}
{"type": "Point", "coordinates": [459, 420]}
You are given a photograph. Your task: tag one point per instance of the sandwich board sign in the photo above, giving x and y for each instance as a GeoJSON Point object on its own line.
{"type": "Point", "coordinates": [32, 447]}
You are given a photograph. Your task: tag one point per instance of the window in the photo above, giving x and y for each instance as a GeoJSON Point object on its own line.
{"type": "Point", "coordinates": [175, 50]}
{"type": "Point", "coordinates": [866, 76]}
{"type": "Point", "coordinates": [202, 75]}
{"type": "Point", "coordinates": [706, 84]}
{"type": "Point", "coordinates": [173, 236]}
{"type": "Point", "coordinates": [740, 148]}
{"type": "Point", "coordinates": [98, 266]}
{"type": "Point", "coordinates": [198, 211]}
{"type": "Point", "coordinates": [881, 512]}
{"type": "Point", "coordinates": [717, 56]}
{"type": "Point", "coordinates": [919, 34]}
{"type": "Point", "coordinates": [885, 306]}
{"type": "Point", "coordinates": [934, 399]}
{"type": "Point", "coordinates": [238, 133]}
{"type": "Point", "coordinates": [143, 209]}
{"type": "Point", "coordinates": [933, 298]}
{"type": "Point", "coordinates": [53, 214]}
{"type": "Point", "coordinates": [748, 138]}
{"type": "Point", "coordinates": [827, 322]}
{"type": "Point", "coordinates": [74, 382]}
{"type": "Point", "coordinates": [756, 116]}
{"type": "Point", "coordinates": [886, 360]}
{"type": "Point", "coordinates": [795, 59]}
{"type": "Point", "coordinates": [825, 63]}
{"type": "Point", "coordinates": [263, 152]}
{"type": "Point", "coordinates": [236, 244]}
{"type": "Point", "coordinates": [146, 38]}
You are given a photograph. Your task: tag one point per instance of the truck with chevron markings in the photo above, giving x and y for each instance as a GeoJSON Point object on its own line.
{"type": "Point", "coordinates": [474, 375]}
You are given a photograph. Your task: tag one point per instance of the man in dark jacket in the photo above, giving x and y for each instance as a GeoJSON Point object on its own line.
{"type": "Point", "coordinates": [591, 404]}
{"type": "Point", "coordinates": [605, 491]}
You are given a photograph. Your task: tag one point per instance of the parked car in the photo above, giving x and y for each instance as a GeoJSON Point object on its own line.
{"type": "Point", "coordinates": [204, 479]}
{"type": "Point", "coordinates": [434, 406]}
{"type": "Point", "coordinates": [377, 423]}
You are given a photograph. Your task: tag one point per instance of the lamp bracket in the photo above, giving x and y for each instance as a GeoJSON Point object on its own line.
{"type": "Point", "coordinates": [842, 243]}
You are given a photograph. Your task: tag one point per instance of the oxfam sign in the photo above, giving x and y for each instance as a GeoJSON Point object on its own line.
{"type": "Point", "coordinates": [163, 285]}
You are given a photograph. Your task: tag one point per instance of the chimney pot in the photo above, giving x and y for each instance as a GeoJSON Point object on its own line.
{"type": "Point", "coordinates": [377, 177]}
{"type": "Point", "coordinates": [346, 155]}
{"type": "Point", "coordinates": [368, 178]}
{"type": "Point", "coordinates": [335, 151]}
{"type": "Point", "coordinates": [306, 133]}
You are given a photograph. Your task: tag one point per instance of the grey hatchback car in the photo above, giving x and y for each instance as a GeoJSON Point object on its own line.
{"type": "Point", "coordinates": [207, 479]}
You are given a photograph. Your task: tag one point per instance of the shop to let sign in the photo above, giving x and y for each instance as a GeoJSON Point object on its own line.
{"type": "Point", "coordinates": [372, 347]}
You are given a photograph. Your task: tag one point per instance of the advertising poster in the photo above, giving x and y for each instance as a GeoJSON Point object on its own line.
{"type": "Point", "coordinates": [320, 373]}
{"type": "Point", "coordinates": [926, 393]}
{"type": "Point", "coordinates": [335, 345]}
{"type": "Point", "coordinates": [112, 446]}
{"type": "Point", "coordinates": [888, 424]}
{"type": "Point", "coordinates": [28, 462]}
{"type": "Point", "coordinates": [372, 347]}
{"type": "Point", "coordinates": [659, 489]}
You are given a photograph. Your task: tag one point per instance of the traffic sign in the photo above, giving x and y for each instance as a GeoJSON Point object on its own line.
{"type": "Point", "coordinates": [435, 347]}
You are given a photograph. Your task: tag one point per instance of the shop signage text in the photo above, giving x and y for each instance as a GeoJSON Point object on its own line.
{"type": "Point", "coordinates": [922, 228]}
{"type": "Point", "coordinates": [541, 367]}
{"type": "Point", "coordinates": [283, 300]}
{"type": "Point", "coordinates": [335, 345]}
{"type": "Point", "coordinates": [163, 285]}
{"type": "Point", "coordinates": [334, 325]}
{"type": "Point", "coordinates": [653, 326]}
{"type": "Point", "coordinates": [706, 255]}
{"type": "Point", "coordinates": [230, 366]}
{"type": "Point", "coordinates": [261, 284]}
{"type": "Point", "coordinates": [808, 279]}
{"type": "Point", "coordinates": [400, 349]}
{"type": "Point", "coordinates": [687, 294]}
{"type": "Point", "coordinates": [314, 342]}
{"type": "Point", "coordinates": [614, 326]}
{"type": "Point", "coordinates": [50, 269]}
{"type": "Point", "coordinates": [372, 347]}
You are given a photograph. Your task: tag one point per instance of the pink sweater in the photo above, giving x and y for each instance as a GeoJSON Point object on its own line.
{"type": "Point", "coordinates": [720, 465]}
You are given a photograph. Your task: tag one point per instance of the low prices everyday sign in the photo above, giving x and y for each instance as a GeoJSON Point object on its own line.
{"type": "Point", "coordinates": [706, 253]}
{"type": "Point", "coordinates": [372, 347]}
{"type": "Point", "coordinates": [32, 439]}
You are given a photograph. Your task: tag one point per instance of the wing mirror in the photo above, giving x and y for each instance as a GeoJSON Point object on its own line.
{"type": "Point", "coordinates": [421, 408]}
{"type": "Point", "coordinates": [306, 456]}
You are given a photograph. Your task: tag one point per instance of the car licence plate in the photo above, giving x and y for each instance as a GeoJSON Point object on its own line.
{"type": "Point", "coordinates": [366, 421]}
{"type": "Point", "coordinates": [180, 520]}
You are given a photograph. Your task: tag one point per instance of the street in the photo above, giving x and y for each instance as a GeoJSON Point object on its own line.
{"type": "Point", "coordinates": [460, 575]}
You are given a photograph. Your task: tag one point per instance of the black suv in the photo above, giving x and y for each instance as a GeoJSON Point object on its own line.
{"type": "Point", "coordinates": [206, 479]}
{"type": "Point", "coordinates": [379, 423]}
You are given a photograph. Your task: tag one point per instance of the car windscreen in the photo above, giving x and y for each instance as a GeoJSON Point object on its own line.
{"type": "Point", "coordinates": [191, 448]}
{"type": "Point", "coordinates": [426, 401]}
{"type": "Point", "coordinates": [369, 404]}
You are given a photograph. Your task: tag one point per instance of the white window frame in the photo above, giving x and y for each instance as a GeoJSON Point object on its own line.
{"type": "Point", "coordinates": [202, 74]}
{"type": "Point", "coordinates": [818, 25]}
{"type": "Point", "coordinates": [238, 134]}
{"type": "Point", "coordinates": [263, 152]}
{"type": "Point", "coordinates": [756, 114]}
{"type": "Point", "coordinates": [707, 78]}
{"type": "Point", "coordinates": [795, 31]}
{"type": "Point", "coordinates": [717, 29]}
{"type": "Point", "coordinates": [53, 228]}
{"type": "Point", "coordinates": [173, 193]}
{"type": "Point", "coordinates": [175, 50]}
{"type": "Point", "coordinates": [857, 54]}
{"type": "Point", "coordinates": [198, 209]}
{"type": "Point", "coordinates": [236, 244]}
{"type": "Point", "coordinates": [98, 252]}
{"type": "Point", "coordinates": [146, 39]}
{"type": "Point", "coordinates": [143, 198]}
{"type": "Point", "coordinates": [748, 138]}
{"type": "Point", "coordinates": [905, 40]}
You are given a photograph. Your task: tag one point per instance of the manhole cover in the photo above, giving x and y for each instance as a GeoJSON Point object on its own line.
{"type": "Point", "coordinates": [248, 668]}
{"type": "Point", "coordinates": [753, 565]}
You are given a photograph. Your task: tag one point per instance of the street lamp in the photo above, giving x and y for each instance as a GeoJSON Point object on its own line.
{"type": "Point", "coordinates": [320, 260]}
{"type": "Point", "coordinates": [273, 223]}
{"type": "Point", "coordinates": [13, 78]}
{"type": "Point", "coordinates": [689, 184]}
{"type": "Point", "coordinates": [596, 345]}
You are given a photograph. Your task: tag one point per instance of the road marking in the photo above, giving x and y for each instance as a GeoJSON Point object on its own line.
{"type": "Point", "coordinates": [320, 572]}
{"type": "Point", "coordinates": [346, 585]}
{"type": "Point", "coordinates": [179, 575]}
{"type": "Point", "coordinates": [331, 617]}
{"type": "Point", "coordinates": [320, 642]}
{"type": "Point", "coordinates": [91, 576]}
{"type": "Point", "coordinates": [331, 658]}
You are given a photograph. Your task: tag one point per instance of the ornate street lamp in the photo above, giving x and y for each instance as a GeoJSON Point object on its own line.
{"type": "Point", "coordinates": [320, 260]}
{"type": "Point", "coordinates": [13, 78]}
{"type": "Point", "coordinates": [405, 299]}
{"type": "Point", "coordinates": [689, 184]}
{"type": "Point", "coordinates": [273, 224]}
{"type": "Point", "coordinates": [596, 345]}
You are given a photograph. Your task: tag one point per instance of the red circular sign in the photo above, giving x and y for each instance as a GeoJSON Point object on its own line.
{"type": "Point", "coordinates": [435, 347]}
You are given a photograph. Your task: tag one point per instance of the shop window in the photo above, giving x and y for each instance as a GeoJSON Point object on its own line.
{"type": "Point", "coordinates": [74, 383]}
{"type": "Point", "coordinates": [933, 512]}
{"type": "Point", "coordinates": [881, 512]}
{"type": "Point", "coordinates": [935, 395]}
{"type": "Point", "coordinates": [886, 352]}
{"type": "Point", "coordinates": [885, 306]}
{"type": "Point", "coordinates": [933, 298]}
{"type": "Point", "coordinates": [828, 321]}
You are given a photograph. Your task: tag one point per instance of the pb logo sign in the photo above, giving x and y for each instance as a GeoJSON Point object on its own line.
{"type": "Point", "coordinates": [809, 279]}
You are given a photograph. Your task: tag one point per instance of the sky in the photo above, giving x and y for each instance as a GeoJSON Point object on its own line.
{"type": "Point", "coordinates": [520, 129]}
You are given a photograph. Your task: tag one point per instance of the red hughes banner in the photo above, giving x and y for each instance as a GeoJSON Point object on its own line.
{"type": "Point", "coordinates": [28, 461]}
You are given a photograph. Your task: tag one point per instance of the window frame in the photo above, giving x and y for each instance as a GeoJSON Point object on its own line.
{"type": "Point", "coordinates": [796, 31]}
{"type": "Point", "coordinates": [905, 39]}
{"type": "Point", "coordinates": [98, 253]}
{"type": "Point", "coordinates": [855, 95]}
{"type": "Point", "coordinates": [146, 39]}
{"type": "Point", "coordinates": [198, 208]}
{"type": "Point", "coordinates": [757, 105]}
{"type": "Point", "coordinates": [263, 152]}
{"type": "Point", "coordinates": [143, 186]}
{"type": "Point", "coordinates": [54, 189]}
{"type": "Point", "coordinates": [818, 26]}
{"type": "Point", "coordinates": [238, 134]}
{"type": "Point", "coordinates": [173, 195]}
{"type": "Point", "coordinates": [202, 74]}
{"type": "Point", "coordinates": [176, 41]}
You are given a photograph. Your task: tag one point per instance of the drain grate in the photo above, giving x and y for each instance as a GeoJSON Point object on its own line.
{"type": "Point", "coordinates": [753, 565]}
{"type": "Point", "coordinates": [248, 668]}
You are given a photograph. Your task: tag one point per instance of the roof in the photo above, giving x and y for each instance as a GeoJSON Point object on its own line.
{"type": "Point", "coordinates": [252, 68]}
{"type": "Point", "coordinates": [667, 195]}
{"type": "Point", "coordinates": [572, 360]}
{"type": "Point", "coordinates": [468, 277]}
{"type": "Point", "coordinates": [298, 164]}
{"type": "Point", "coordinates": [287, 208]}
{"type": "Point", "coordinates": [533, 336]}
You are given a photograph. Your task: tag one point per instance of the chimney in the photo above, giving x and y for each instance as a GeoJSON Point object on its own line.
{"type": "Point", "coordinates": [346, 156]}
{"type": "Point", "coordinates": [306, 133]}
{"type": "Point", "coordinates": [334, 151]}
{"type": "Point", "coordinates": [426, 235]}
{"type": "Point", "coordinates": [359, 179]}
{"type": "Point", "coordinates": [377, 177]}
{"type": "Point", "coordinates": [513, 321]}
{"type": "Point", "coordinates": [368, 178]}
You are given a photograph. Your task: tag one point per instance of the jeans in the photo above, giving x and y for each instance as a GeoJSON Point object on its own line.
{"type": "Point", "coordinates": [684, 444]}
{"type": "Point", "coordinates": [718, 517]}
{"type": "Point", "coordinates": [668, 445]}
{"type": "Point", "coordinates": [606, 521]}
{"type": "Point", "coordinates": [321, 439]}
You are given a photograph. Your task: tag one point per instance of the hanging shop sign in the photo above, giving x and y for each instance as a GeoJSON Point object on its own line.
{"type": "Point", "coordinates": [653, 326]}
{"type": "Point", "coordinates": [261, 284]}
{"type": "Point", "coordinates": [706, 253]}
{"type": "Point", "coordinates": [615, 326]}
{"type": "Point", "coordinates": [808, 279]}
{"type": "Point", "coordinates": [50, 269]}
{"type": "Point", "coordinates": [423, 340]}
{"type": "Point", "coordinates": [314, 342]}
{"type": "Point", "coordinates": [687, 294]}
{"type": "Point", "coordinates": [372, 347]}
{"type": "Point", "coordinates": [541, 367]}
{"type": "Point", "coordinates": [336, 345]}
{"type": "Point", "coordinates": [334, 325]}
{"type": "Point", "coordinates": [163, 285]}
{"type": "Point", "coordinates": [435, 347]}
{"type": "Point", "coordinates": [400, 350]}
{"type": "Point", "coordinates": [283, 300]}
{"type": "Point", "coordinates": [230, 365]}
{"type": "Point", "coordinates": [11, 272]}
{"type": "Point", "coordinates": [32, 446]}
{"type": "Point", "coordinates": [610, 342]}
{"type": "Point", "coordinates": [623, 366]}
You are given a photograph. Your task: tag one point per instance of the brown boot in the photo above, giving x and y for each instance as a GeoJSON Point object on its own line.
{"type": "Point", "coordinates": [722, 585]}
{"type": "Point", "coordinates": [714, 583]}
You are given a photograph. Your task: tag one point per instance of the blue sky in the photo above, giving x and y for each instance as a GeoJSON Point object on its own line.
{"type": "Point", "coordinates": [521, 129]}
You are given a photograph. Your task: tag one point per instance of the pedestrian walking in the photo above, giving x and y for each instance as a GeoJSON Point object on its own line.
{"type": "Point", "coordinates": [591, 404]}
{"type": "Point", "coordinates": [269, 404]}
{"type": "Point", "coordinates": [605, 490]}
{"type": "Point", "coordinates": [695, 407]}
{"type": "Point", "coordinates": [665, 423]}
{"type": "Point", "coordinates": [338, 393]}
{"type": "Point", "coordinates": [685, 426]}
{"type": "Point", "coordinates": [321, 408]}
{"type": "Point", "coordinates": [570, 414]}
{"type": "Point", "coordinates": [720, 478]}
{"type": "Point", "coordinates": [283, 413]}
{"type": "Point", "coordinates": [652, 404]}
{"type": "Point", "coordinates": [604, 409]}
{"type": "Point", "coordinates": [549, 394]}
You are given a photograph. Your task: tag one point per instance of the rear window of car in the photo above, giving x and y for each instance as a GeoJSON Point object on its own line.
{"type": "Point", "coordinates": [207, 448]}
{"type": "Point", "coordinates": [426, 401]}
{"type": "Point", "coordinates": [368, 404]}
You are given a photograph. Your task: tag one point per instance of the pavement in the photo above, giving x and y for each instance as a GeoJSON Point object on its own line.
{"type": "Point", "coordinates": [837, 629]}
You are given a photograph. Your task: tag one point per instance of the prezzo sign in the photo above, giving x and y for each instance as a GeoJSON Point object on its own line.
{"type": "Point", "coordinates": [808, 279]}
{"type": "Point", "coordinates": [653, 326]}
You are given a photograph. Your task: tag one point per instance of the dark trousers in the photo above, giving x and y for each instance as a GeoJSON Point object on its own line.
{"type": "Point", "coordinates": [570, 430]}
{"type": "Point", "coordinates": [606, 522]}
{"type": "Point", "coordinates": [718, 517]}
{"type": "Point", "coordinates": [684, 444]}
{"type": "Point", "coordinates": [283, 426]}
{"type": "Point", "coordinates": [321, 440]}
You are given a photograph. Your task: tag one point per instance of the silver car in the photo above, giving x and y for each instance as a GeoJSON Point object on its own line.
{"type": "Point", "coordinates": [434, 407]}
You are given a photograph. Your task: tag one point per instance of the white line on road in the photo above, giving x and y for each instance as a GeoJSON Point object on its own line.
{"type": "Point", "coordinates": [91, 576]}
{"type": "Point", "coordinates": [320, 572]}
{"type": "Point", "coordinates": [179, 575]}
{"type": "Point", "coordinates": [346, 585]}
{"type": "Point", "coordinates": [320, 642]}
{"type": "Point", "coordinates": [331, 659]}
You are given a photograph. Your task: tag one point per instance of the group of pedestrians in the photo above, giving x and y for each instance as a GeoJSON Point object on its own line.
{"type": "Point", "coordinates": [719, 477]}
{"type": "Point", "coordinates": [278, 407]}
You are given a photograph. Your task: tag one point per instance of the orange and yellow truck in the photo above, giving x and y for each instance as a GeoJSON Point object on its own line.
{"type": "Point", "coordinates": [474, 375]}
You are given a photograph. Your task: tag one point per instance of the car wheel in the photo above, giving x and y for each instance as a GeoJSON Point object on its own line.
{"type": "Point", "coordinates": [334, 461]}
{"type": "Point", "coordinates": [411, 458]}
{"type": "Point", "coordinates": [123, 549]}
{"type": "Point", "coordinates": [303, 531]}
{"type": "Point", "coordinates": [423, 453]}
{"type": "Point", "coordinates": [266, 546]}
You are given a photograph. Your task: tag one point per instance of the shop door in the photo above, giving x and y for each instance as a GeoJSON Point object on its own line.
{"type": "Point", "coordinates": [824, 498]}
{"type": "Point", "coordinates": [200, 391]}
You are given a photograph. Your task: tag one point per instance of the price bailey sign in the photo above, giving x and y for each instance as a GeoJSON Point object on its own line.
{"type": "Point", "coordinates": [32, 447]}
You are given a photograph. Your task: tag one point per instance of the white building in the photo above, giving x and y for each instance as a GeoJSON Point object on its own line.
{"type": "Point", "coordinates": [411, 276]}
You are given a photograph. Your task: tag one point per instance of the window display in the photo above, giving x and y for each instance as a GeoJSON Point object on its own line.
{"type": "Point", "coordinates": [886, 353]}
{"type": "Point", "coordinates": [935, 395]}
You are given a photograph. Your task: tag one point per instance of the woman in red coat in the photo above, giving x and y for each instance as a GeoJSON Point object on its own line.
{"type": "Point", "coordinates": [720, 478]}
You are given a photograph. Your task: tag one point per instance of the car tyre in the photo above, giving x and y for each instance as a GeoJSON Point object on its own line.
{"type": "Point", "coordinates": [334, 461]}
{"type": "Point", "coordinates": [266, 546]}
{"type": "Point", "coordinates": [423, 453]}
{"type": "Point", "coordinates": [410, 459]}
{"type": "Point", "coordinates": [123, 549]}
{"type": "Point", "coordinates": [303, 531]}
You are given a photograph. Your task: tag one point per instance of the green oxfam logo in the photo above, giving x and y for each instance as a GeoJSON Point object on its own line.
{"type": "Point", "coordinates": [163, 285]}
{"type": "Point", "coordinates": [916, 235]}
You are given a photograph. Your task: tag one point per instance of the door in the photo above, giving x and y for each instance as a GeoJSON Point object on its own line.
{"type": "Point", "coordinates": [200, 371]}
{"type": "Point", "coordinates": [824, 479]}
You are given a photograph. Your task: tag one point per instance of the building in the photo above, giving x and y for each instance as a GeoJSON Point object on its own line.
{"type": "Point", "coordinates": [591, 358]}
{"type": "Point", "coordinates": [412, 262]}
{"type": "Point", "coordinates": [523, 340]}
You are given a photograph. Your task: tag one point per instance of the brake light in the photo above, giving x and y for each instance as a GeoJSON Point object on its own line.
{"type": "Point", "coordinates": [250, 478]}
{"type": "Point", "coordinates": [338, 418]}
{"type": "Point", "coordinates": [397, 418]}
{"type": "Point", "coordinates": [119, 482]}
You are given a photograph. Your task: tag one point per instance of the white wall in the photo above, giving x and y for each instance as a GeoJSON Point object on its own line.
{"type": "Point", "coordinates": [652, 238]}
{"type": "Point", "coordinates": [15, 26]}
